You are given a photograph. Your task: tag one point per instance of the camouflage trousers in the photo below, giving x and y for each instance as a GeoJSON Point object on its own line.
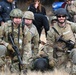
{"type": "Point", "coordinates": [3, 51]}
{"type": "Point", "coordinates": [67, 62]}
{"type": "Point", "coordinates": [73, 60]}
{"type": "Point", "coordinates": [15, 67]}
{"type": "Point", "coordinates": [64, 60]}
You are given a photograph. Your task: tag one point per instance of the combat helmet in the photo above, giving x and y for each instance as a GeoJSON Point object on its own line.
{"type": "Point", "coordinates": [28, 15]}
{"type": "Point", "coordinates": [61, 11]}
{"type": "Point", "coordinates": [16, 13]}
{"type": "Point", "coordinates": [53, 18]}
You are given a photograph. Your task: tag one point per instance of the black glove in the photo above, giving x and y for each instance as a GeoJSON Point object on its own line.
{"type": "Point", "coordinates": [70, 44]}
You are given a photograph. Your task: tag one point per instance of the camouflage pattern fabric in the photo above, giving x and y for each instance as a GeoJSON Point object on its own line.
{"type": "Point", "coordinates": [62, 57]}
{"type": "Point", "coordinates": [27, 41]}
{"type": "Point", "coordinates": [2, 63]}
{"type": "Point", "coordinates": [3, 49]}
{"type": "Point", "coordinates": [34, 33]}
{"type": "Point", "coordinates": [16, 13]}
{"type": "Point", "coordinates": [34, 40]}
{"type": "Point", "coordinates": [72, 10]}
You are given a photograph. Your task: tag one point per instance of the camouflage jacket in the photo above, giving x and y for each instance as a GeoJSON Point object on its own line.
{"type": "Point", "coordinates": [67, 32]}
{"type": "Point", "coordinates": [22, 42]}
{"type": "Point", "coordinates": [34, 38]}
{"type": "Point", "coordinates": [71, 8]}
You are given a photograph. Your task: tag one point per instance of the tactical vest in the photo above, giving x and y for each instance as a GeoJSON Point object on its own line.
{"type": "Point", "coordinates": [17, 34]}
{"type": "Point", "coordinates": [65, 31]}
{"type": "Point", "coordinates": [67, 34]}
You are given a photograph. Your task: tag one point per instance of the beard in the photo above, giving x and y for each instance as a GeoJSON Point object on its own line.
{"type": "Point", "coordinates": [61, 22]}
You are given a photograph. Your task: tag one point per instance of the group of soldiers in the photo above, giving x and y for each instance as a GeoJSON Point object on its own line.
{"type": "Point", "coordinates": [22, 31]}
{"type": "Point", "coordinates": [19, 40]}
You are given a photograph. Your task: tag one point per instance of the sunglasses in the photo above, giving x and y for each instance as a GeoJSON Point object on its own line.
{"type": "Point", "coordinates": [61, 16]}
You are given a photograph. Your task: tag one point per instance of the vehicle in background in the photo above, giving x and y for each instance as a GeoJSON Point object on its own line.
{"type": "Point", "coordinates": [56, 5]}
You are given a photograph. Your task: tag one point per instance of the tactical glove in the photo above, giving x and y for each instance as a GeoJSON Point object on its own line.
{"type": "Point", "coordinates": [9, 47]}
{"type": "Point", "coordinates": [42, 54]}
{"type": "Point", "coordinates": [52, 63]}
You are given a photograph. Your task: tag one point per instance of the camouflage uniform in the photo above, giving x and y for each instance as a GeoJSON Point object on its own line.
{"type": "Point", "coordinates": [34, 33]}
{"type": "Point", "coordinates": [53, 19]}
{"type": "Point", "coordinates": [3, 49]}
{"type": "Point", "coordinates": [22, 39]}
{"type": "Point", "coordinates": [71, 8]}
{"type": "Point", "coordinates": [62, 57]}
{"type": "Point", "coordinates": [34, 40]}
{"type": "Point", "coordinates": [57, 51]}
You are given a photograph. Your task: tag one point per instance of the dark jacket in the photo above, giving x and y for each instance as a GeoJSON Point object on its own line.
{"type": "Point", "coordinates": [40, 22]}
{"type": "Point", "coordinates": [5, 8]}
{"type": "Point", "coordinates": [34, 10]}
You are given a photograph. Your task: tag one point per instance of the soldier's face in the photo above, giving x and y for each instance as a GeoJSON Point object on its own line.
{"type": "Point", "coordinates": [17, 20]}
{"type": "Point", "coordinates": [61, 18]}
{"type": "Point", "coordinates": [10, 1]}
{"type": "Point", "coordinates": [28, 21]}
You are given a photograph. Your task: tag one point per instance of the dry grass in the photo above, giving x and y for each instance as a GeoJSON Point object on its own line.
{"type": "Point", "coordinates": [55, 72]}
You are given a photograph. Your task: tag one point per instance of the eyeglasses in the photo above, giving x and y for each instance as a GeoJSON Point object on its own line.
{"type": "Point", "coordinates": [61, 16]}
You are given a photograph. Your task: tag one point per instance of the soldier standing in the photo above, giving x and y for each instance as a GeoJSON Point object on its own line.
{"type": "Point", "coordinates": [21, 37]}
{"type": "Point", "coordinates": [28, 18]}
{"type": "Point", "coordinates": [57, 50]}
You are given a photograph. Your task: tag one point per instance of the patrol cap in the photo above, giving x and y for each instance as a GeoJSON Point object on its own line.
{"type": "Point", "coordinates": [16, 13]}
{"type": "Point", "coordinates": [28, 15]}
{"type": "Point", "coordinates": [61, 11]}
